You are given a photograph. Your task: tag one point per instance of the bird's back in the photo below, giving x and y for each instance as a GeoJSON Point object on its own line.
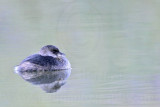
{"type": "Point", "coordinates": [41, 60]}
{"type": "Point", "coordinates": [37, 62]}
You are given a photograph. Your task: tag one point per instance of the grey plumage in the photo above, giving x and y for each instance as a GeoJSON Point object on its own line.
{"type": "Point", "coordinates": [49, 69]}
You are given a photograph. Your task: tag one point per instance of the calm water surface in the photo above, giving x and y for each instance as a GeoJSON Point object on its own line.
{"type": "Point", "coordinates": [113, 46]}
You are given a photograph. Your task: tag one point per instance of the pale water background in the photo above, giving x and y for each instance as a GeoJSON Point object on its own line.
{"type": "Point", "coordinates": [113, 46]}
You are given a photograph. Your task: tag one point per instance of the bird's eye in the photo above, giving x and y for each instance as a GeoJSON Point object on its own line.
{"type": "Point", "coordinates": [55, 50]}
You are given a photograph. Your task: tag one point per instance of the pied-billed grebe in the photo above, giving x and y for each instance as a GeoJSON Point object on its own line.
{"type": "Point", "coordinates": [49, 58]}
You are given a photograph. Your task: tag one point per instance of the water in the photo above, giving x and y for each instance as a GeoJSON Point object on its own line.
{"type": "Point", "coordinates": [113, 47]}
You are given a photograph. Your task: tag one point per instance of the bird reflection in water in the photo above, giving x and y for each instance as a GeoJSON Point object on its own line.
{"type": "Point", "coordinates": [49, 81]}
{"type": "Point", "coordinates": [49, 69]}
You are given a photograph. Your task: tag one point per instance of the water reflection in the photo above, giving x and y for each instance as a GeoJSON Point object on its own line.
{"type": "Point", "coordinates": [49, 81]}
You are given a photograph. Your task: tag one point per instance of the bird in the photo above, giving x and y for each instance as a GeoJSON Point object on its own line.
{"type": "Point", "coordinates": [49, 58]}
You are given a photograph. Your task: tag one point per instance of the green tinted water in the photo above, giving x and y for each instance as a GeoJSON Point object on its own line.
{"type": "Point", "coordinates": [113, 47]}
